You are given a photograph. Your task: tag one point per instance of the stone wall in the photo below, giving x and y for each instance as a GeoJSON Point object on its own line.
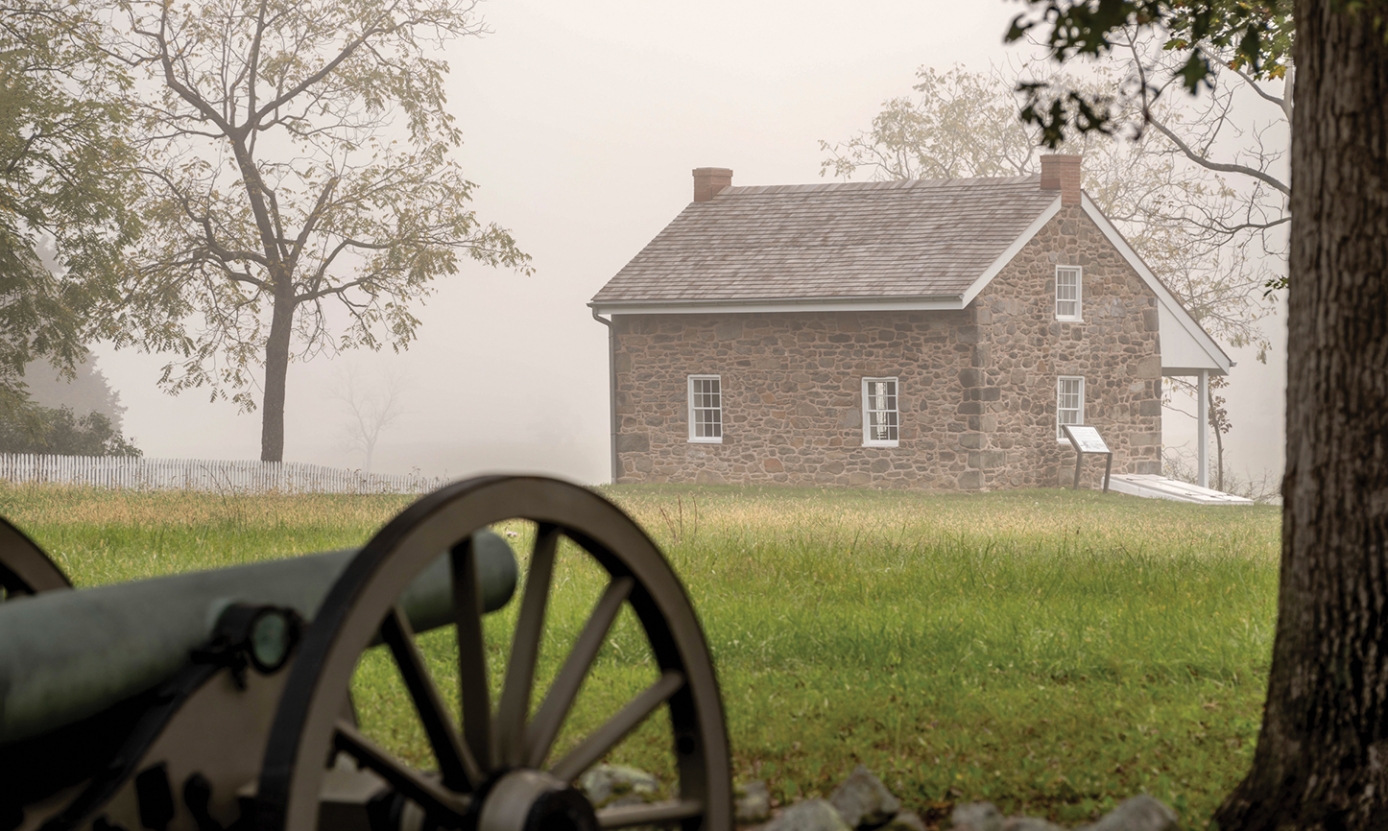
{"type": "Point", "coordinates": [1023, 350]}
{"type": "Point", "coordinates": [792, 389]}
{"type": "Point", "coordinates": [977, 387]}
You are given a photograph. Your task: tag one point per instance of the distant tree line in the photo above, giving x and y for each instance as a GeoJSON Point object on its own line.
{"type": "Point", "coordinates": [61, 432]}
{"type": "Point", "coordinates": [80, 416]}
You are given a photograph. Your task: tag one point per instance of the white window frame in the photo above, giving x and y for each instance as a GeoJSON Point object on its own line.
{"type": "Point", "coordinates": [697, 407]}
{"type": "Point", "coordinates": [1078, 299]}
{"type": "Point", "coordinates": [893, 414]}
{"type": "Point", "coordinates": [1078, 411]}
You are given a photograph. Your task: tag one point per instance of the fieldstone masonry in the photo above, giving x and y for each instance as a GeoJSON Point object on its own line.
{"type": "Point", "coordinates": [977, 386]}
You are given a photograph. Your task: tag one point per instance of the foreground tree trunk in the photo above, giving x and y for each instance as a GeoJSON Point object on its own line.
{"type": "Point", "coordinates": [1322, 757]}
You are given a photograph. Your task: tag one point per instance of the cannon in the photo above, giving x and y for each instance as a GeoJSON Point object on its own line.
{"type": "Point", "coordinates": [223, 700]}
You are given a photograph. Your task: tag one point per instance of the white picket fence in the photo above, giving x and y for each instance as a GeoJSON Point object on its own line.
{"type": "Point", "coordinates": [220, 476]}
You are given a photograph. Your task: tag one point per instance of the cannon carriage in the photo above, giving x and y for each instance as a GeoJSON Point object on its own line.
{"type": "Point", "coordinates": [220, 701]}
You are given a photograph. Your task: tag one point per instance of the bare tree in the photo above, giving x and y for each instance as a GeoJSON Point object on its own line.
{"type": "Point", "coordinates": [1216, 132]}
{"type": "Point", "coordinates": [371, 408]}
{"type": "Point", "coordinates": [961, 124]}
{"type": "Point", "coordinates": [298, 154]}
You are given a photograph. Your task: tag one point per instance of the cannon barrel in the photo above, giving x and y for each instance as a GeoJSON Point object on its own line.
{"type": "Point", "coordinates": [66, 655]}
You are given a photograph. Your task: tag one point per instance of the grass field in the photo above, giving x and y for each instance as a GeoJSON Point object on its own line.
{"type": "Point", "coordinates": [1050, 651]}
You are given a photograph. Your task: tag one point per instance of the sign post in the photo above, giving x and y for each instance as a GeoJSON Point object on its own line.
{"type": "Point", "coordinates": [1087, 440]}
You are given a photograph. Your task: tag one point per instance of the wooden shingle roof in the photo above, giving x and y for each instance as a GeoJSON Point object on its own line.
{"type": "Point", "coordinates": [911, 239]}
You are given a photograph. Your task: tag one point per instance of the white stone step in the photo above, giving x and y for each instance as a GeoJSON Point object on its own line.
{"type": "Point", "coordinates": [1153, 486]}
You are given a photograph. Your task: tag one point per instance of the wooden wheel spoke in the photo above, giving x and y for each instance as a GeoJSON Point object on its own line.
{"type": "Point", "coordinates": [606, 737]}
{"type": "Point", "coordinates": [539, 738]}
{"type": "Point", "coordinates": [428, 793]}
{"type": "Point", "coordinates": [472, 656]}
{"type": "Point", "coordinates": [525, 648]}
{"type": "Point", "coordinates": [624, 816]}
{"type": "Point", "coordinates": [456, 763]}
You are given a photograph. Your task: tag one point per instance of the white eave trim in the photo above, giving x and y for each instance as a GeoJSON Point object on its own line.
{"type": "Point", "coordinates": [1167, 299]}
{"type": "Point", "coordinates": [867, 304]}
{"type": "Point", "coordinates": [1186, 371]}
{"type": "Point", "coordinates": [1012, 250]}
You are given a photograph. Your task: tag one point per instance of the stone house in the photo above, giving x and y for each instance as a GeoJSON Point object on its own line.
{"type": "Point", "coordinates": [918, 334]}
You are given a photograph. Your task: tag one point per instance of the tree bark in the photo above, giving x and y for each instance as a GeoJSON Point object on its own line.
{"type": "Point", "coordinates": [1322, 755]}
{"type": "Point", "coordinates": [276, 374]}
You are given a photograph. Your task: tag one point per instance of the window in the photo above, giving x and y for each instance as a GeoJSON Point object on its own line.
{"type": "Point", "coordinates": [1067, 292]}
{"type": "Point", "coordinates": [1069, 404]}
{"type": "Point", "coordinates": [879, 412]}
{"type": "Point", "coordinates": [706, 409]}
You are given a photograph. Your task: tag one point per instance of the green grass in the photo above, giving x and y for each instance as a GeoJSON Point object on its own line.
{"type": "Point", "coordinates": [1050, 651]}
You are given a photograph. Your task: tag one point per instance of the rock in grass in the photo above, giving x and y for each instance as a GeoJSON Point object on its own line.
{"type": "Point", "coordinates": [1029, 824]}
{"type": "Point", "coordinates": [1140, 813]}
{"type": "Point", "coordinates": [863, 801]}
{"type": "Point", "coordinates": [904, 821]}
{"type": "Point", "coordinates": [618, 785]}
{"type": "Point", "coordinates": [810, 815]}
{"type": "Point", "coordinates": [976, 816]}
{"type": "Point", "coordinates": [753, 803]}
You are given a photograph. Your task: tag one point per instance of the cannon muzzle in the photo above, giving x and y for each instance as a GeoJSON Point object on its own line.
{"type": "Point", "coordinates": [67, 655]}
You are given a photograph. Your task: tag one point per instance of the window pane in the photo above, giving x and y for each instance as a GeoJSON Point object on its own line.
{"type": "Point", "coordinates": [880, 410]}
{"type": "Point", "coordinates": [1069, 403]}
{"type": "Point", "coordinates": [1067, 292]}
{"type": "Point", "coordinates": [705, 408]}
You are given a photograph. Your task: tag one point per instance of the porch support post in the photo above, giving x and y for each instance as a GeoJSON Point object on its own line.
{"type": "Point", "coordinates": [1202, 427]}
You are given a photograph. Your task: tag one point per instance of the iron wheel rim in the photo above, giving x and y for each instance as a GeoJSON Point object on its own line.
{"type": "Point", "coordinates": [24, 568]}
{"type": "Point", "coordinates": [362, 605]}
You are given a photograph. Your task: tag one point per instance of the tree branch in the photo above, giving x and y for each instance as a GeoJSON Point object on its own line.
{"type": "Point", "coordinates": [253, 61]}
{"type": "Point", "coordinates": [323, 72]}
{"type": "Point", "coordinates": [311, 222]}
{"type": "Point", "coordinates": [183, 91]}
{"type": "Point", "coordinates": [1221, 167]}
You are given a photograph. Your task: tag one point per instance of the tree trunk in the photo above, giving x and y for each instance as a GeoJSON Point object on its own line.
{"type": "Point", "coordinates": [1217, 419]}
{"type": "Point", "coordinates": [276, 373]}
{"type": "Point", "coordinates": [1322, 756]}
{"type": "Point", "coordinates": [1219, 460]}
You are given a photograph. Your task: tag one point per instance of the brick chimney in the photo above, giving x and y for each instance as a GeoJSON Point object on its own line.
{"type": "Point", "coordinates": [1062, 173]}
{"type": "Point", "coordinates": [710, 181]}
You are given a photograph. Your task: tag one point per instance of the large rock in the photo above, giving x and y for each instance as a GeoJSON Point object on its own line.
{"type": "Point", "coordinates": [810, 815]}
{"type": "Point", "coordinates": [976, 816]}
{"type": "Point", "coordinates": [1029, 824]}
{"type": "Point", "coordinates": [863, 801]}
{"type": "Point", "coordinates": [618, 785]}
{"type": "Point", "coordinates": [753, 803]}
{"type": "Point", "coordinates": [1140, 813]}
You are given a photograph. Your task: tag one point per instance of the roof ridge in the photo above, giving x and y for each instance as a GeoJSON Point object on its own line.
{"type": "Point", "coordinates": [896, 184]}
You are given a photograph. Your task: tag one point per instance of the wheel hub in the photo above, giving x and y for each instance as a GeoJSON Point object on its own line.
{"type": "Point", "coordinates": [530, 800]}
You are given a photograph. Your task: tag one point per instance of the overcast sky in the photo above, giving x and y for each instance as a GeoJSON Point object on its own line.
{"type": "Point", "coordinates": [582, 123]}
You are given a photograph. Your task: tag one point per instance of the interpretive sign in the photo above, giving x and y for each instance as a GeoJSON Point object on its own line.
{"type": "Point", "coordinates": [1087, 440]}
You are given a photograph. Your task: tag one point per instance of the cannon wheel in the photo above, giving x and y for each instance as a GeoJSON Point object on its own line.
{"type": "Point", "coordinates": [492, 774]}
{"type": "Point", "coordinates": [24, 568]}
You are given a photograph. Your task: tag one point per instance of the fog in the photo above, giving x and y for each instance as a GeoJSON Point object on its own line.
{"type": "Point", "coordinates": [582, 123]}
